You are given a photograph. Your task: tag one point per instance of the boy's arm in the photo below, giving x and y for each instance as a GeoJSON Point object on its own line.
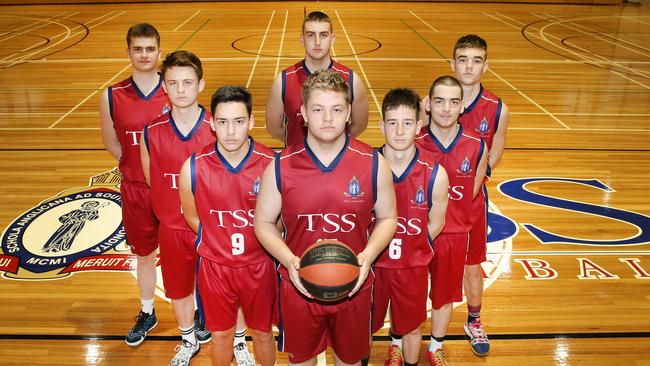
{"type": "Point", "coordinates": [187, 197]}
{"type": "Point", "coordinates": [439, 197]}
{"type": "Point", "coordinates": [109, 136]}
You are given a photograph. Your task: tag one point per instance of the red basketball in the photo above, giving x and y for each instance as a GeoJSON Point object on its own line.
{"type": "Point", "coordinates": [329, 270]}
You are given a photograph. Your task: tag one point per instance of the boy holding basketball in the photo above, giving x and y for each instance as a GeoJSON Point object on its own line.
{"type": "Point", "coordinates": [219, 187]}
{"type": "Point", "coordinates": [402, 269]}
{"type": "Point", "coordinates": [463, 155]}
{"type": "Point", "coordinates": [486, 115]}
{"type": "Point", "coordinates": [325, 188]}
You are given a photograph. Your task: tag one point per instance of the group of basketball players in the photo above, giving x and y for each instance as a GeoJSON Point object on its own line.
{"type": "Point", "coordinates": [231, 217]}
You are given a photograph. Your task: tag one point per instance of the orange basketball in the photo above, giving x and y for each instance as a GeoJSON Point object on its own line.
{"type": "Point", "coordinates": [329, 270]}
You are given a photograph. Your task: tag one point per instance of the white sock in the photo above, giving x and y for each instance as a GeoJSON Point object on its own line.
{"type": "Point", "coordinates": [188, 334]}
{"type": "Point", "coordinates": [240, 336]}
{"type": "Point", "coordinates": [435, 345]}
{"type": "Point", "coordinates": [147, 306]}
{"type": "Point", "coordinates": [397, 342]}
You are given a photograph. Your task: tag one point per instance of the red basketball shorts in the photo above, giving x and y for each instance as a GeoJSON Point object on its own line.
{"type": "Point", "coordinates": [223, 289]}
{"type": "Point", "coordinates": [178, 260]}
{"type": "Point", "coordinates": [140, 223]}
{"type": "Point", "coordinates": [307, 326]}
{"type": "Point", "coordinates": [406, 289]}
{"type": "Point", "coordinates": [478, 233]}
{"type": "Point", "coordinates": [447, 268]}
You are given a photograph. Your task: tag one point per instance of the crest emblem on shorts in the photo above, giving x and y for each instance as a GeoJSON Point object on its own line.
{"type": "Point", "coordinates": [354, 188]}
{"type": "Point", "coordinates": [465, 167]}
{"type": "Point", "coordinates": [256, 186]}
{"type": "Point", "coordinates": [483, 127]}
{"type": "Point", "coordinates": [419, 196]}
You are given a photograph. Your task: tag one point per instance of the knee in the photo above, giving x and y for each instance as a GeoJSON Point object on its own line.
{"type": "Point", "coordinates": [146, 259]}
{"type": "Point", "coordinates": [220, 339]}
{"type": "Point", "coordinates": [261, 336]}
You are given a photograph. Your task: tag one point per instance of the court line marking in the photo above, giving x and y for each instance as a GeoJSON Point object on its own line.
{"type": "Point", "coordinates": [266, 32]}
{"type": "Point", "coordinates": [284, 29]}
{"type": "Point", "coordinates": [363, 72]}
{"type": "Point", "coordinates": [186, 20]}
{"type": "Point", "coordinates": [422, 20]}
{"type": "Point", "coordinates": [628, 17]}
{"type": "Point", "coordinates": [49, 22]}
{"type": "Point", "coordinates": [40, 20]}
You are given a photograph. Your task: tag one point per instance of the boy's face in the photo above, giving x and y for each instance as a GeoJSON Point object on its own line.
{"type": "Point", "coordinates": [317, 38]}
{"type": "Point", "coordinates": [469, 64]}
{"type": "Point", "coordinates": [445, 105]}
{"type": "Point", "coordinates": [400, 126]}
{"type": "Point", "coordinates": [326, 114]}
{"type": "Point", "coordinates": [231, 124]}
{"type": "Point", "coordinates": [144, 53]}
{"type": "Point", "coordinates": [182, 86]}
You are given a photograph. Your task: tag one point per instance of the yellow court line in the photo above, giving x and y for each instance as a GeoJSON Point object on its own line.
{"type": "Point", "coordinates": [363, 72]}
{"type": "Point", "coordinates": [284, 29]}
{"type": "Point", "coordinates": [186, 20]}
{"type": "Point", "coordinates": [268, 26]}
{"type": "Point", "coordinates": [422, 20]}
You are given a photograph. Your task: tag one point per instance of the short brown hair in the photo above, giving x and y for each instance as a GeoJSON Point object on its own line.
{"type": "Point", "coordinates": [447, 81]}
{"type": "Point", "coordinates": [182, 58]}
{"type": "Point", "coordinates": [470, 41]}
{"type": "Point", "coordinates": [142, 30]}
{"type": "Point", "coordinates": [399, 97]}
{"type": "Point", "coordinates": [325, 80]}
{"type": "Point", "coordinates": [316, 16]}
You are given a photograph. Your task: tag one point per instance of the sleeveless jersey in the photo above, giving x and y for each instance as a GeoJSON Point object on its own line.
{"type": "Point", "coordinates": [327, 202]}
{"type": "Point", "coordinates": [410, 246]}
{"type": "Point", "coordinates": [168, 150]}
{"type": "Point", "coordinates": [460, 160]}
{"type": "Point", "coordinates": [130, 111]}
{"type": "Point", "coordinates": [225, 198]}
{"type": "Point", "coordinates": [292, 80]}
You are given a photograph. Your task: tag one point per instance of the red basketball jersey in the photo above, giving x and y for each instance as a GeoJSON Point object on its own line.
{"type": "Point", "coordinates": [410, 246]}
{"type": "Point", "coordinates": [327, 202]}
{"type": "Point", "coordinates": [292, 80]}
{"type": "Point", "coordinates": [168, 150]}
{"type": "Point", "coordinates": [460, 160]}
{"type": "Point", "coordinates": [482, 116]}
{"type": "Point", "coordinates": [225, 198]}
{"type": "Point", "coordinates": [130, 111]}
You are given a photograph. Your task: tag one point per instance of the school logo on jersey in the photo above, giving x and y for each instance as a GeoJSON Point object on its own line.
{"type": "Point", "coordinates": [67, 233]}
{"type": "Point", "coordinates": [354, 188]}
{"type": "Point", "coordinates": [256, 187]}
{"type": "Point", "coordinates": [483, 127]}
{"type": "Point", "coordinates": [165, 109]}
{"type": "Point", "coordinates": [465, 167]}
{"type": "Point", "coordinates": [419, 197]}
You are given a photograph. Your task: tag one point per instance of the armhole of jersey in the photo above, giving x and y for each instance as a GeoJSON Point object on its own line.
{"type": "Point", "coordinates": [110, 103]}
{"type": "Point", "coordinates": [480, 153]}
{"type": "Point", "coordinates": [351, 86]}
{"type": "Point", "coordinates": [145, 134]}
{"type": "Point", "coordinates": [498, 116]}
{"type": "Point", "coordinates": [193, 172]}
{"type": "Point", "coordinates": [375, 168]}
{"type": "Point", "coordinates": [278, 180]}
{"type": "Point", "coordinates": [432, 182]}
{"type": "Point", "coordinates": [284, 85]}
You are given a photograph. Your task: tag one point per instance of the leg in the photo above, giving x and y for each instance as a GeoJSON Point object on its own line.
{"type": "Point", "coordinates": [473, 283]}
{"type": "Point", "coordinates": [474, 328]}
{"type": "Point", "coordinates": [440, 319]}
{"type": "Point", "coordinates": [146, 320]}
{"type": "Point", "coordinates": [222, 347]}
{"type": "Point", "coordinates": [184, 311]}
{"type": "Point", "coordinates": [411, 342]}
{"type": "Point", "coordinates": [338, 362]}
{"type": "Point", "coordinates": [243, 356]}
{"type": "Point", "coordinates": [264, 344]}
{"type": "Point", "coordinates": [311, 362]}
{"type": "Point", "coordinates": [146, 271]}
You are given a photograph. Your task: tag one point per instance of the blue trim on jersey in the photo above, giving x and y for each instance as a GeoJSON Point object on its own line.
{"type": "Point", "coordinates": [199, 238]}
{"type": "Point", "coordinates": [197, 124]}
{"type": "Point", "coordinates": [488, 171]}
{"type": "Point", "coordinates": [110, 103]}
{"type": "Point", "coordinates": [152, 93]}
{"type": "Point", "coordinates": [498, 116]}
{"type": "Point", "coordinates": [351, 83]}
{"type": "Point", "coordinates": [334, 163]}
{"type": "Point", "coordinates": [242, 163]}
{"type": "Point", "coordinates": [375, 169]}
{"type": "Point", "coordinates": [199, 303]}
{"type": "Point", "coordinates": [432, 182]}
{"type": "Point", "coordinates": [408, 169]}
{"type": "Point", "coordinates": [284, 86]}
{"type": "Point", "coordinates": [475, 102]}
{"type": "Point", "coordinates": [280, 325]}
{"type": "Point", "coordinates": [193, 171]}
{"type": "Point", "coordinates": [278, 180]}
{"type": "Point", "coordinates": [145, 135]}
{"type": "Point", "coordinates": [480, 153]}
{"type": "Point", "coordinates": [446, 150]}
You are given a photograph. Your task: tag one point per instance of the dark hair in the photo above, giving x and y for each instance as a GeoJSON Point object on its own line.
{"type": "Point", "coordinates": [142, 30]}
{"type": "Point", "coordinates": [325, 80]}
{"type": "Point", "coordinates": [232, 93]}
{"type": "Point", "coordinates": [182, 58]}
{"type": "Point", "coordinates": [470, 41]}
{"type": "Point", "coordinates": [448, 81]}
{"type": "Point", "coordinates": [398, 97]}
{"type": "Point", "coordinates": [316, 16]}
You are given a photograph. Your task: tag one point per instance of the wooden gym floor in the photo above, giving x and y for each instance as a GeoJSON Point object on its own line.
{"type": "Point", "coordinates": [576, 79]}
